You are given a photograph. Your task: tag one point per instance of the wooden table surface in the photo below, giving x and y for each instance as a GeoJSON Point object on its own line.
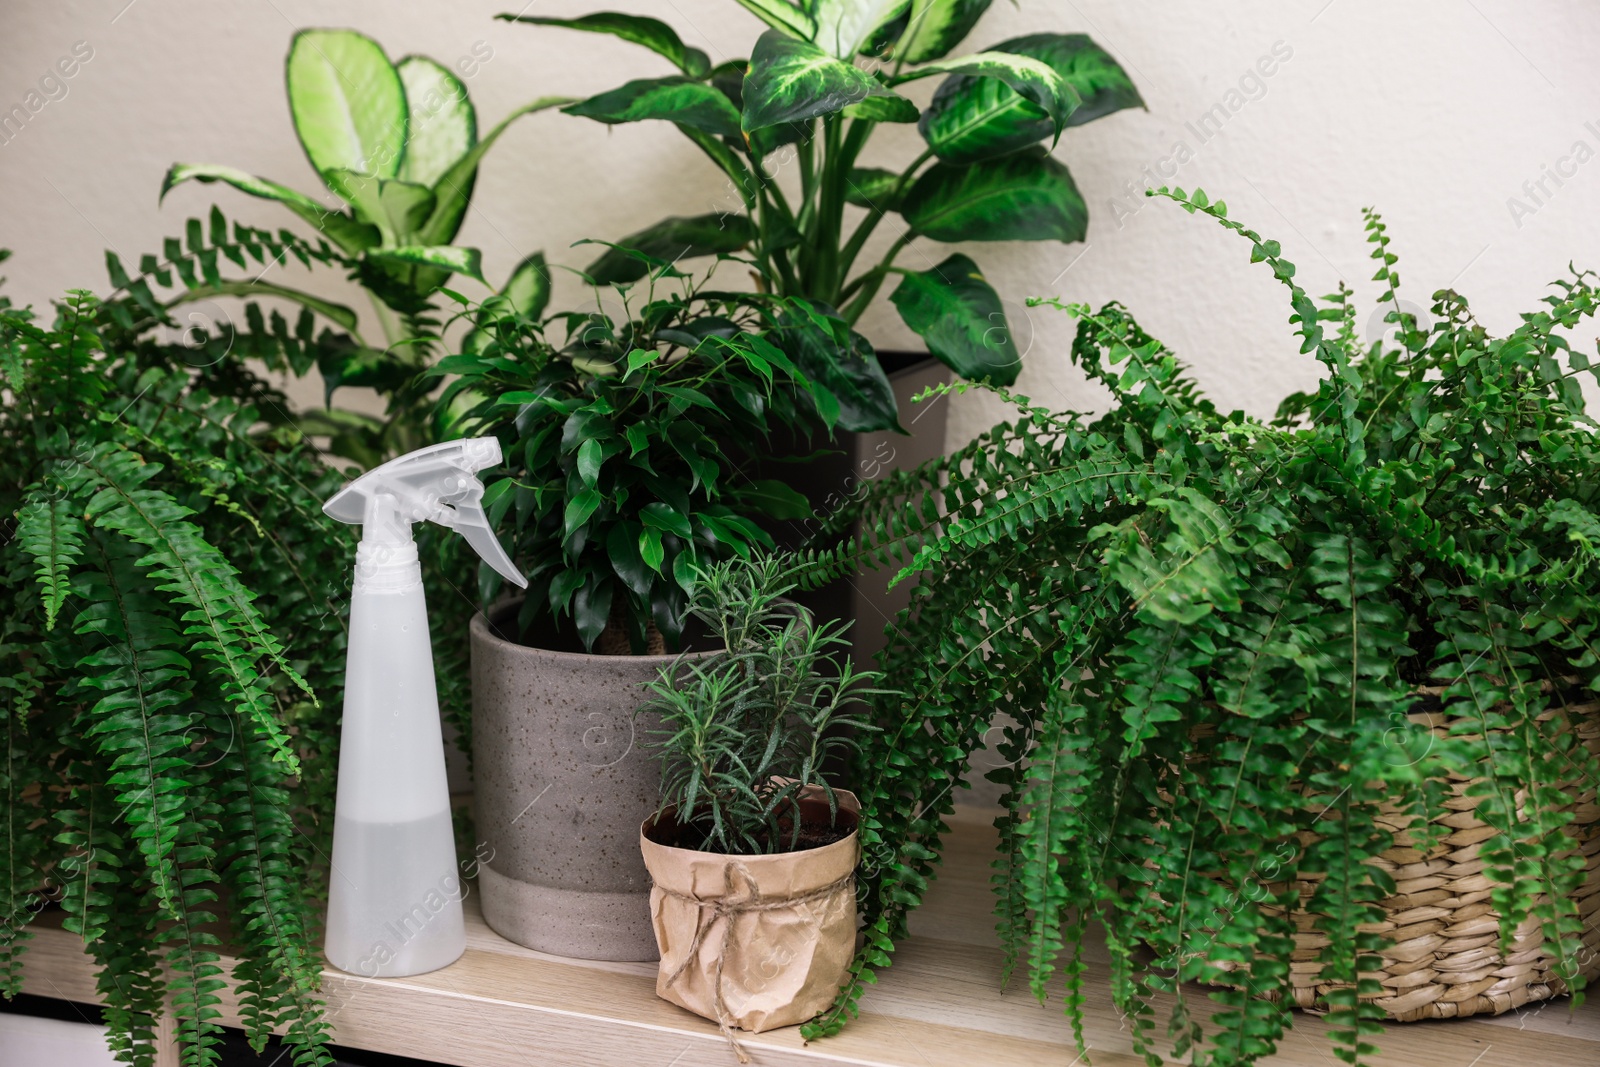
{"type": "Point", "coordinates": [940, 1004]}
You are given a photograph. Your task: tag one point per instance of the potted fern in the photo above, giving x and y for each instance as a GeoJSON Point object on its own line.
{"type": "Point", "coordinates": [1303, 707]}
{"type": "Point", "coordinates": [752, 852]}
{"type": "Point", "coordinates": [628, 446]}
{"type": "Point", "coordinates": [166, 577]}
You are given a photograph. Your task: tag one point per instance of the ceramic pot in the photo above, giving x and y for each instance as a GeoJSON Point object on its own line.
{"type": "Point", "coordinates": [562, 783]}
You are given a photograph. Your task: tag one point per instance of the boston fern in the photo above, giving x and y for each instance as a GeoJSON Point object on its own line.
{"type": "Point", "coordinates": [1208, 632]}
{"type": "Point", "coordinates": [626, 441]}
{"type": "Point", "coordinates": [803, 99]}
{"type": "Point", "coordinates": [157, 713]}
{"type": "Point", "coordinates": [745, 731]}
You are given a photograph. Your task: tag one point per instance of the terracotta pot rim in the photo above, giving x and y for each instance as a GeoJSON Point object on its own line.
{"type": "Point", "coordinates": [480, 631]}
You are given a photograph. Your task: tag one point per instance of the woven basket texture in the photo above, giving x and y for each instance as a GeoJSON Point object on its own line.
{"type": "Point", "coordinates": [1445, 959]}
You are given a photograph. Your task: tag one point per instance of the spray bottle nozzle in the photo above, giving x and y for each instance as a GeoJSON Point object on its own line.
{"type": "Point", "coordinates": [435, 484]}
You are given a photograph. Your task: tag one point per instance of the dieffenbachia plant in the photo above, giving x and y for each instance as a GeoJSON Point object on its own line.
{"type": "Point", "coordinates": [986, 173]}
{"type": "Point", "coordinates": [398, 143]}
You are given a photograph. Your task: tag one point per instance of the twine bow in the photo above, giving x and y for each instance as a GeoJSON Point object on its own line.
{"type": "Point", "coordinates": [728, 911]}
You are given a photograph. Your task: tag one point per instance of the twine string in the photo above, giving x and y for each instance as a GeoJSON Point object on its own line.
{"type": "Point", "coordinates": [728, 910]}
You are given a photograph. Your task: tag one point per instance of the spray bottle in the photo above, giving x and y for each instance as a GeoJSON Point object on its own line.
{"type": "Point", "coordinates": [394, 904]}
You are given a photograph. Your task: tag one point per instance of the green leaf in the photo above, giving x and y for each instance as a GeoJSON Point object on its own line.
{"type": "Point", "coordinates": [52, 533]}
{"type": "Point", "coordinates": [591, 609]}
{"type": "Point", "coordinates": [775, 499]}
{"type": "Point", "coordinates": [580, 507]}
{"type": "Point", "coordinates": [959, 315]}
{"type": "Point", "coordinates": [1033, 80]}
{"type": "Point", "coordinates": [453, 192]}
{"type": "Point", "coordinates": [591, 454]}
{"type": "Point", "coordinates": [841, 364]}
{"type": "Point", "coordinates": [347, 102]}
{"type": "Point", "coordinates": [871, 187]}
{"type": "Point", "coordinates": [338, 313]}
{"type": "Point", "coordinates": [622, 547]}
{"type": "Point", "coordinates": [650, 549]}
{"type": "Point", "coordinates": [783, 15]}
{"type": "Point", "coordinates": [653, 34]}
{"type": "Point", "coordinates": [1022, 197]}
{"type": "Point", "coordinates": [528, 288]}
{"type": "Point", "coordinates": [442, 125]}
{"type": "Point", "coordinates": [676, 99]}
{"type": "Point", "coordinates": [892, 108]}
{"type": "Point", "coordinates": [465, 261]}
{"type": "Point", "coordinates": [937, 26]}
{"type": "Point", "coordinates": [397, 208]}
{"type": "Point", "coordinates": [349, 234]}
{"type": "Point", "coordinates": [994, 104]}
{"type": "Point", "coordinates": [660, 516]}
{"type": "Point", "coordinates": [843, 26]}
{"type": "Point", "coordinates": [792, 80]}
{"type": "Point", "coordinates": [1101, 83]}
{"type": "Point", "coordinates": [669, 241]}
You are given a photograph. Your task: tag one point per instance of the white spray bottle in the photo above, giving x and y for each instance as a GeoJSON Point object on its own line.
{"type": "Point", "coordinates": [394, 904]}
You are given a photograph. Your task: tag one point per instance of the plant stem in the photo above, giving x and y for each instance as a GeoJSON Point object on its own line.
{"type": "Point", "coordinates": [869, 283]}
{"type": "Point", "coordinates": [874, 216]}
{"type": "Point", "coordinates": [823, 283]}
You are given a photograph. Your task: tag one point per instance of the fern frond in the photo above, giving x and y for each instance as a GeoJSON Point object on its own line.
{"type": "Point", "coordinates": [226, 628]}
{"type": "Point", "coordinates": [53, 535]}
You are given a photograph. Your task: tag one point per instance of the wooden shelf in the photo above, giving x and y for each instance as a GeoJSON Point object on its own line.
{"type": "Point", "coordinates": [940, 1003]}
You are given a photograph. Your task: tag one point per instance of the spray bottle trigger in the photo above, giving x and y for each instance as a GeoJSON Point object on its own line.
{"type": "Point", "coordinates": [472, 524]}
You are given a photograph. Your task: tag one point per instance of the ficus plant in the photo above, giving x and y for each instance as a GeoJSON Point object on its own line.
{"type": "Point", "coordinates": [1233, 652]}
{"type": "Point", "coordinates": [630, 437]}
{"type": "Point", "coordinates": [171, 592]}
{"type": "Point", "coordinates": [398, 144]}
{"type": "Point", "coordinates": [807, 102]}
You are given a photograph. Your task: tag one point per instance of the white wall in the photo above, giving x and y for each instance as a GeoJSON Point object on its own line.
{"type": "Point", "coordinates": [26, 1041]}
{"type": "Point", "coordinates": [1435, 111]}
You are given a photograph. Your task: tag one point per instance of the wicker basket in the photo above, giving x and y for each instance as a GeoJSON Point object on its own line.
{"type": "Point", "coordinates": [1445, 961]}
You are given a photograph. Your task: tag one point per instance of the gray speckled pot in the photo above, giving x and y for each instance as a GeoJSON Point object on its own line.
{"type": "Point", "coordinates": [561, 786]}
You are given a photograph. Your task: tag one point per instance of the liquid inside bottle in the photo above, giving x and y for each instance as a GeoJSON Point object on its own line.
{"type": "Point", "coordinates": [409, 918]}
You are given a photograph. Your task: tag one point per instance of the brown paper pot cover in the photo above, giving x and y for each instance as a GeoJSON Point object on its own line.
{"type": "Point", "coordinates": [1445, 960]}
{"type": "Point", "coordinates": [784, 964]}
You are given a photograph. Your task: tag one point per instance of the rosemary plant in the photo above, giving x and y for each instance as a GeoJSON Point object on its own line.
{"type": "Point", "coordinates": [745, 731]}
{"type": "Point", "coordinates": [1212, 634]}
